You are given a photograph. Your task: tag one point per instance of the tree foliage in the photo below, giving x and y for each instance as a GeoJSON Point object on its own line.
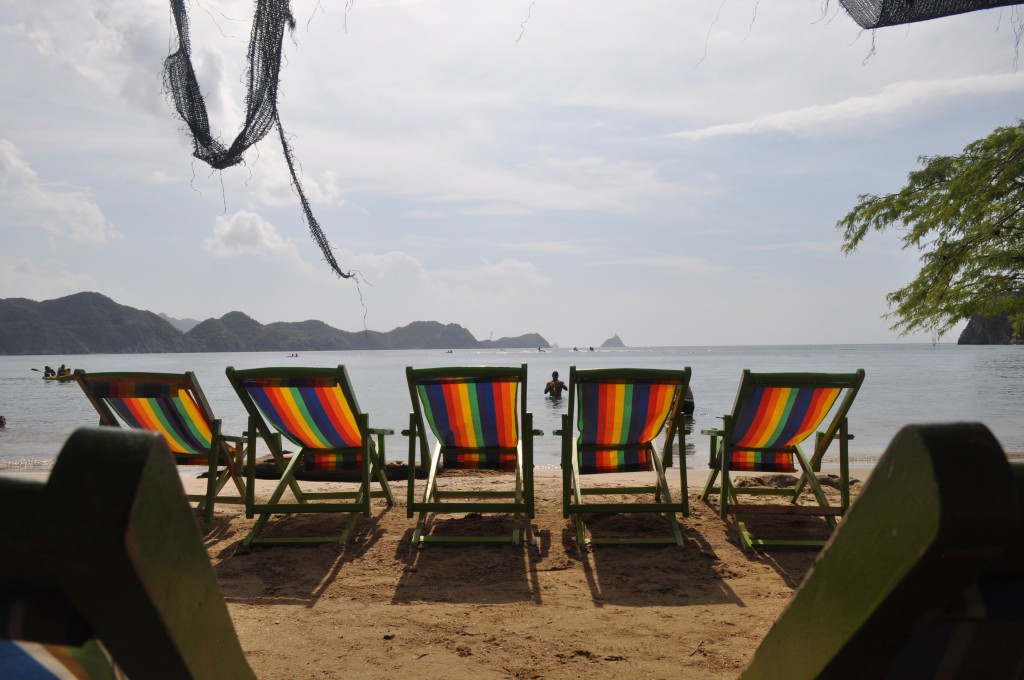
{"type": "Point", "coordinates": [965, 214]}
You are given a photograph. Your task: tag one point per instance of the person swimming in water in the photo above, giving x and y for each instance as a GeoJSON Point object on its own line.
{"type": "Point", "coordinates": [555, 386]}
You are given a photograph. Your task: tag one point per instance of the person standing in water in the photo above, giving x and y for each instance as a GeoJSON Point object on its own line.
{"type": "Point", "coordinates": [555, 386]}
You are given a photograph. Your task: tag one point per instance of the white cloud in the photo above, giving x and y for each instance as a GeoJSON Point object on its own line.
{"type": "Point", "coordinates": [41, 279]}
{"type": "Point", "coordinates": [116, 45]}
{"type": "Point", "coordinates": [898, 100]}
{"type": "Point", "coordinates": [245, 233]}
{"type": "Point", "coordinates": [832, 247]}
{"type": "Point", "coordinates": [554, 247]}
{"type": "Point", "coordinates": [64, 212]}
{"type": "Point", "coordinates": [690, 265]}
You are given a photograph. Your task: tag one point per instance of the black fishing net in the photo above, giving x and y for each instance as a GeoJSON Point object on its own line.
{"type": "Point", "coordinates": [879, 13]}
{"type": "Point", "coordinates": [271, 19]}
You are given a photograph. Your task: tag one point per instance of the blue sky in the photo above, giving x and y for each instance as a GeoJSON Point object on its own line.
{"type": "Point", "coordinates": [671, 172]}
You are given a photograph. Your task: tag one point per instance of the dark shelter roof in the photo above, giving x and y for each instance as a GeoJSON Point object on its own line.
{"type": "Point", "coordinates": [879, 13]}
{"type": "Point", "coordinates": [264, 65]}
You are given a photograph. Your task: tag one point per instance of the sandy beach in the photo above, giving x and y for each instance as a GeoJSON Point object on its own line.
{"type": "Point", "coordinates": [377, 608]}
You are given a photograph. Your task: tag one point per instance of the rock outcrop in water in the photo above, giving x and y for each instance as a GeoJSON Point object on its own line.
{"type": "Point", "coordinates": [981, 330]}
{"type": "Point", "coordinates": [90, 323]}
{"type": "Point", "coordinates": [614, 341]}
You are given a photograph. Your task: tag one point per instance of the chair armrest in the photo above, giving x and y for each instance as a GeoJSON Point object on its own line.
{"type": "Point", "coordinates": [381, 430]}
{"type": "Point", "coordinates": [713, 432]}
{"type": "Point", "coordinates": [405, 433]}
{"type": "Point", "coordinates": [557, 432]}
{"type": "Point", "coordinates": [538, 432]}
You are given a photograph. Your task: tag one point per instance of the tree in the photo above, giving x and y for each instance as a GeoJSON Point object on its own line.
{"type": "Point", "coordinates": [965, 213]}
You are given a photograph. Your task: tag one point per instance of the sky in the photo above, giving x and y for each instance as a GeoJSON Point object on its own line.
{"type": "Point", "coordinates": [671, 172]}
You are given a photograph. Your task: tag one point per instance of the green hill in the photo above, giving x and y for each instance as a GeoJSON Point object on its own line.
{"type": "Point", "coordinates": [90, 323]}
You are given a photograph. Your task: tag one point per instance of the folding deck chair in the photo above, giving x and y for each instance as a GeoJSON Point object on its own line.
{"type": "Point", "coordinates": [316, 410]}
{"type": "Point", "coordinates": [173, 405]}
{"type": "Point", "coordinates": [619, 412]}
{"type": "Point", "coordinates": [773, 414]}
{"type": "Point", "coordinates": [925, 576]}
{"type": "Point", "coordinates": [479, 419]}
{"type": "Point", "coordinates": [103, 571]}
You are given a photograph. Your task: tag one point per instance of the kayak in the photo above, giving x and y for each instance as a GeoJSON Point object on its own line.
{"type": "Point", "coordinates": [59, 378]}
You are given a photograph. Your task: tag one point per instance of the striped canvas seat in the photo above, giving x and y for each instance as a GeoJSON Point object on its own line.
{"type": "Point", "coordinates": [36, 661]}
{"type": "Point", "coordinates": [774, 414]}
{"type": "Point", "coordinates": [173, 405]}
{"type": "Point", "coordinates": [44, 636]}
{"type": "Point", "coordinates": [165, 406]}
{"type": "Point", "coordinates": [617, 422]}
{"type": "Point", "coordinates": [479, 421]}
{"type": "Point", "coordinates": [474, 419]}
{"type": "Point", "coordinates": [614, 418]}
{"type": "Point", "coordinates": [316, 411]}
{"type": "Point", "coordinates": [313, 413]}
{"type": "Point", "coordinates": [772, 420]}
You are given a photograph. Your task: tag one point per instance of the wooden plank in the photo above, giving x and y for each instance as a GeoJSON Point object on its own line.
{"type": "Point", "coordinates": [938, 511]}
{"type": "Point", "coordinates": [779, 509]}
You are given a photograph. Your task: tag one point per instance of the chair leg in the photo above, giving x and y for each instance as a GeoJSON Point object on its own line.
{"type": "Point", "coordinates": [428, 494]}
{"type": "Point", "coordinates": [815, 486]}
{"type": "Point", "coordinates": [378, 469]}
{"type": "Point", "coordinates": [714, 465]}
{"type": "Point", "coordinates": [287, 480]}
{"type": "Point", "coordinates": [662, 483]}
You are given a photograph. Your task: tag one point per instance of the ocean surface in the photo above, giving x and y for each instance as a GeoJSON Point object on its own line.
{"type": "Point", "coordinates": [905, 383]}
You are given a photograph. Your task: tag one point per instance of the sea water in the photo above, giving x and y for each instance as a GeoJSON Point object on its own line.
{"type": "Point", "coordinates": [905, 383]}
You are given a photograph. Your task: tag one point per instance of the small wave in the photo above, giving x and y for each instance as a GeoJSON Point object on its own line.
{"type": "Point", "coordinates": [25, 464]}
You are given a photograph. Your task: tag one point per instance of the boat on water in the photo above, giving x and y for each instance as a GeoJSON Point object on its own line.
{"type": "Point", "coordinates": [60, 378]}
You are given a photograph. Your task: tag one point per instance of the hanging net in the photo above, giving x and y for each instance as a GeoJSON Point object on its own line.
{"type": "Point", "coordinates": [879, 13]}
{"type": "Point", "coordinates": [271, 19]}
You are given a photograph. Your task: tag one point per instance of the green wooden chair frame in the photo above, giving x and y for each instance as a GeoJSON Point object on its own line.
{"type": "Point", "coordinates": [517, 501]}
{"type": "Point", "coordinates": [925, 576]}
{"type": "Point", "coordinates": [574, 492]}
{"type": "Point", "coordinates": [370, 451]}
{"type": "Point", "coordinates": [186, 424]}
{"type": "Point", "coordinates": [103, 570]}
{"type": "Point", "coordinates": [837, 430]}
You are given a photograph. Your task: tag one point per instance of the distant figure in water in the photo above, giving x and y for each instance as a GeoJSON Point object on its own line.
{"type": "Point", "coordinates": [555, 386]}
{"type": "Point", "coordinates": [3, 422]}
{"type": "Point", "coordinates": [539, 349]}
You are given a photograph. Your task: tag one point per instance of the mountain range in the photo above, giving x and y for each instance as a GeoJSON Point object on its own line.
{"type": "Point", "coordinates": [91, 323]}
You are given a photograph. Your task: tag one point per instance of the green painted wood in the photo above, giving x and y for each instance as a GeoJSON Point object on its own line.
{"type": "Point", "coordinates": [374, 462]}
{"type": "Point", "coordinates": [225, 450]}
{"type": "Point", "coordinates": [574, 492]}
{"type": "Point", "coordinates": [941, 513]}
{"type": "Point", "coordinates": [114, 533]}
{"type": "Point", "coordinates": [434, 499]}
{"type": "Point", "coordinates": [836, 429]}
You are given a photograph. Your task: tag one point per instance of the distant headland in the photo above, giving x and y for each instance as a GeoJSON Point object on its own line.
{"type": "Point", "coordinates": [91, 323]}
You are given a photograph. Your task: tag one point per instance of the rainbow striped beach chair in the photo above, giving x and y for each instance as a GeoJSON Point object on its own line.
{"type": "Point", "coordinates": [619, 413]}
{"type": "Point", "coordinates": [774, 413]}
{"type": "Point", "coordinates": [103, 571]}
{"type": "Point", "coordinates": [316, 410]}
{"type": "Point", "coordinates": [479, 420]}
{"type": "Point", "coordinates": [173, 405]}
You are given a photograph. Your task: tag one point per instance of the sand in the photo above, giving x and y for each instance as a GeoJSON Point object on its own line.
{"type": "Point", "coordinates": [378, 608]}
